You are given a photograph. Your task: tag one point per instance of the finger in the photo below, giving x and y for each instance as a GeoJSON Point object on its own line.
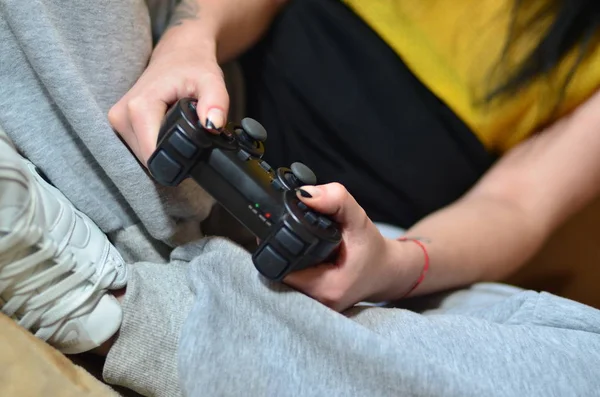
{"type": "Point", "coordinates": [146, 114]}
{"type": "Point", "coordinates": [333, 199]}
{"type": "Point", "coordinates": [213, 101]}
{"type": "Point", "coordinates": [119, 120]}
{"type": "Point", "coordinates": [318, 282]}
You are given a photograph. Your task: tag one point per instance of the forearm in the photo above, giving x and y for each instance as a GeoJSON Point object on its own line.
{"type": "Point", "coordinates": [475, 239]}
{"type": "Point", "coordinates": [506, 218]}
{"type": "Point", "coordinates": [228, 27]}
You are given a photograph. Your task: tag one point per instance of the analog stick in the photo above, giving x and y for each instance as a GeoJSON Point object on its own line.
{"type": "Point", "coordinates": [302, 175]}
{"type": "Point", "coordinates": [252, 130]}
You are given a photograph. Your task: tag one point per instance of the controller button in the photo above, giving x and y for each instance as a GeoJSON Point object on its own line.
{"type": "Point", "coordinates": [254, 129]}
{"type": "Point", "coordinates": [324, 223]}
{"type": "Point", "coordinates": [276, 184]}
{"type": "Point", "coordinates": [290, 241]}
{"type": "Point", "coordinates": [303, 174]}
{"type": "Point", "coordinates": [311, 217]}
{"type": "Point", "coordinates": [183, 145]}
{"type": "Point", "coordinates": [302, 206]}
{"type": "Point", "coordinates": [164, 168]}
{"type": "Point", "coordinates": [227, 136]}
{"type": "Point", "coordinates": [243, 155]}
{"type": "Point", "coordinates": [265, 166]}
{"type": "Point", "coordinates": [271, 263]}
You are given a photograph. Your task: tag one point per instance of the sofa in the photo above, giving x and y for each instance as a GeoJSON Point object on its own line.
{"type": "Point", "coordinates": [31, 368]}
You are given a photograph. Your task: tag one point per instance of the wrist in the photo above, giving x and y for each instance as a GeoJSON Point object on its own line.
{"type": "Point", "coordinates": [407, 262]}
{"type": "Point", "coordinates": [192, 37]}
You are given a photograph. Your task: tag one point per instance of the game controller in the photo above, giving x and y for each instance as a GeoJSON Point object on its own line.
{"type": "Point", "coordinates": [229, 166]}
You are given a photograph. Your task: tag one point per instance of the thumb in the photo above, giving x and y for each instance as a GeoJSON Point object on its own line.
{"type": "Point", "coordinates": [334, 200]}
{"type": "Point", "coordinates": [213, 100]}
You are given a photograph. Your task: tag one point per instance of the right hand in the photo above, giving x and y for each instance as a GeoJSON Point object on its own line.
{"type": "Point", "coordinates": [179, 68]}
{"type": "Point", "coordinates": [368, 267]}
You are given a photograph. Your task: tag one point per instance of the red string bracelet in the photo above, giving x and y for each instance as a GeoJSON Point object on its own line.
{"type": "Point", "coordinates": [425, 266]}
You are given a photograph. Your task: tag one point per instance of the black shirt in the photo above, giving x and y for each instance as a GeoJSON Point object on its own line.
{"type": "Point", "coordinates": [334, 96]}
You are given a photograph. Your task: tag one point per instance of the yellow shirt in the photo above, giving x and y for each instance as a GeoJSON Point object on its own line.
{"type": "Point", "coordinates": [455, 48]}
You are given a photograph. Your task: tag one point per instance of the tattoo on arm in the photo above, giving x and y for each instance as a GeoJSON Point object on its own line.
{"type": "Point", "coordinates": [187, 10]}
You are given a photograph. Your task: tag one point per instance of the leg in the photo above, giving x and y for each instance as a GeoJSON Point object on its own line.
{"type": "Point", "coordinates": [55, 265]}
{"type": "Point", "coordinates": [243, 337]}
{"type": "Point", "coordinates": [63, 66]}
{"type": "Point", "coordinates": [55, 269]}
{"type": "Point", "coordinates": [143, 357]}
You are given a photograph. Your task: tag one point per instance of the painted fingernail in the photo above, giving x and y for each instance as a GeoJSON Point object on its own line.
{"type": "Point", "coordinates": [210, 125]}
{"type": "Point", "coordinates": [215, 119]}
{"type": "Point", "coordinates": [304, 193]}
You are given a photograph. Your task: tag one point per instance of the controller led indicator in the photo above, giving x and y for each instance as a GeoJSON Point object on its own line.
{"type": "Point", "coordinates": [256, 205]}
{"type": "Point", "coordinates": [267, 215]}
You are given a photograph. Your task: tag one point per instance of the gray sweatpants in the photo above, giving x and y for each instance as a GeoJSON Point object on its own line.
{"type": "Point", "coordinates": [198, 321]}
{"type": "Point", "coordinates": [209, 325]}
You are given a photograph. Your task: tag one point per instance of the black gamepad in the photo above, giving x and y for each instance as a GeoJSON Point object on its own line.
{"type": "Point", "coordinates": [228, 166]}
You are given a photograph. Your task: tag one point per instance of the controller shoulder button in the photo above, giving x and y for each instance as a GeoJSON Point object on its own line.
{"type": "Point", "coordinates": [182, 144]}
{"type": "Point", "coordinates": [271, 263]}
{"type": "Point", "coordinates": [164, 168]}
{"type": "Point", "coordinates": [289, 240]}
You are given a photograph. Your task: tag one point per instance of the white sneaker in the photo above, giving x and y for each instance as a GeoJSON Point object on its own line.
{"type": "Point", "coordinates": [42, 285]}
{"type": "Point", "coordinates": [75, 231]}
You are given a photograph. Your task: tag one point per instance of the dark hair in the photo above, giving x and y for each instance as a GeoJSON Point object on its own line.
{"type": "Point", "coordinates": [574, 24]}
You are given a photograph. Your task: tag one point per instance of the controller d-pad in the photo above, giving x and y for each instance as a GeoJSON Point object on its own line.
{"type": "Point", "coordinates": [183, 145]}
{"type": "Point", "coordinates": [290, 241]}
{"type": "Point", "coordinates": [164, 168]}
{"type": "Point", "coordinates": [271, 263]}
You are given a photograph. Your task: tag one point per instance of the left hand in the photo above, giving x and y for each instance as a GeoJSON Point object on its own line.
{"type": "Point", "coordinates": [368, 266]}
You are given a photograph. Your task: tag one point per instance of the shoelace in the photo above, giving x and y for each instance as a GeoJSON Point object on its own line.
{"type": "Point", "coordinates": [110, 264]}
{"type": "Point", "coordinates": [38, 300]}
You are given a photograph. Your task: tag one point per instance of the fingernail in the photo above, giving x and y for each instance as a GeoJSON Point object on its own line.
{"type": "Point", "coordinates": [215, 119]}
{"type": "Point", "coordinates": [210, 125]}
{"type": "Point", "coordinates": [304, 193]}
{"type": "Point", "coordinates": [308, 191]}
